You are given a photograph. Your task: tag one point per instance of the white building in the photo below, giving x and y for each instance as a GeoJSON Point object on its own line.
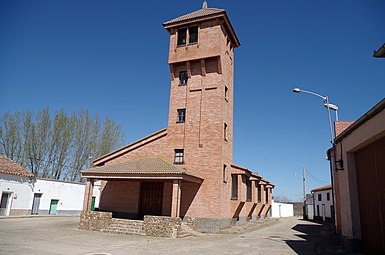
{"type": "Point", "coordinates": [323, 203]}
{"type": "Point", "coordinates": [309, 207]}
{"type": "Point", "coordinates": [23, 194]}
{"type": "Point", "coordinates": [279, 210]}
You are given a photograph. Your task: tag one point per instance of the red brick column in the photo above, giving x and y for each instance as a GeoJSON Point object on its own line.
{"type": "Point", "coordinates": [175, 202]}
{"type": "Point", "coordinates": [88, 195]}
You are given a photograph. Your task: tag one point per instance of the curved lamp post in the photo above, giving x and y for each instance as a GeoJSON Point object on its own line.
{"type": "Point", "coordinates": [327, 106]}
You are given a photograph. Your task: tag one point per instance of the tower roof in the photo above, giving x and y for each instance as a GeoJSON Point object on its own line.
{"type": "Point", "coordinates": [196, 14]}
{"type": "Point", "coordinates": [204, 14]}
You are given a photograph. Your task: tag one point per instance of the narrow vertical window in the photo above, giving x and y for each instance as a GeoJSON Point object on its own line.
{"type": "Point", "coordinates": [328, 196]}
{"type": "Point", "coordinates": [181, 115]}
{"type": "Point", "coordinates": [182, 36]}
{"type": "Point", "coordinates": [259, 194]}
{"type": "Point", "coordinates": [193, 35]}
{"type": "Point", "coordinates": [226, 93]}
{"type": "Point", "coordinates": [234, 186]}
{"type": "Point", "coordinates": [225, 132]}
{"type": "Point", "coordinates": [224, 174]}
{"type": "Point", "coordinates": [267, 195]}
{"type": "Point", "coordinates": [248, 191]}
{"type": "Point", "coordinates": [319, 197]}
{"type": "Point", "coordinates": [179, 156]}
{"type": "Point", "coordinates": [183, 77]}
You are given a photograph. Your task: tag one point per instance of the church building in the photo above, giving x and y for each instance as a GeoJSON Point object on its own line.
{"type": "Point", "coordinates": [186, 170]}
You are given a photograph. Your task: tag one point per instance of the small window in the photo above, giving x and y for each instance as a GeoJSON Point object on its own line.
{"type": "Point", "coordinates": [234, 186]}
{"type": "Point", "coordinates": [226, 93]}
{"type": "Point", "coordinates": [319, 197]}
{"type": "Point", "coordinates": [193, 33]}
{"type": "Point", "coordinates": [181, 115]}
{"type": "Point", "coordinates": [183, 77]}
{"type": "Point", "coordinates": [224, 174]}
{"type": "Point", "coordinates": [328, 196]}
{"type": "Point", "coordinates": [179, 153]}
{"type": "Point", "coordinates": [225, 132]}
{"type": "Point", "coordinates": [248, 191]}
{"type": "Point", "coordinates": [182, 36]}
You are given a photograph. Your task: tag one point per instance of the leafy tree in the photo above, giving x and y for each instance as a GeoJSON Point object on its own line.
{"type": "Point", "coordinates": [57, 146]}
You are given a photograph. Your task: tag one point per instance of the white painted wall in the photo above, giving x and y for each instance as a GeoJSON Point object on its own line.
{"type": "Point", "coordinates": [279, 210]}
{"type": "Point", "coordinates": [310, 212]}
{"type": "Point", "coordinates": [70, 195]}
{"type": "Point", "coordinates": [324, 204]}
{"type": "Point", "coordinates": [22, 189]}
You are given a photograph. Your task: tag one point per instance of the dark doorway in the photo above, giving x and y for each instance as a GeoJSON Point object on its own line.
{"type": "Point", "coordinates": [36, 203]}
{"type": "Point", "coordinates": [151, 198]}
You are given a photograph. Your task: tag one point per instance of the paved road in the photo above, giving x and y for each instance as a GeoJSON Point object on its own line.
{"type": "Point", "coordinates": [59, 235]}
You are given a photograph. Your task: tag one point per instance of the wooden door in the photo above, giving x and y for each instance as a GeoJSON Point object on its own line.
{"type": "Point", "coordinates": [370, 167]}
{"type": "Point", "coordinates": [151, 198]}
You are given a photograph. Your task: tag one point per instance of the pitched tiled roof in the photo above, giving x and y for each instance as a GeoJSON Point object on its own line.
{"type": "Point", "coordinates": [322, 188]}
{"type": "Point", "coordinates": [7, 166]}
{"type": "Point", "coordinates": [145, 166]}
{"type": "Point", "coordinates": [197, 14]}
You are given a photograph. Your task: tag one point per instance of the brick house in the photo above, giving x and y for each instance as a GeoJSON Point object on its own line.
{"type": "Point", "coordinates": [186, 171]}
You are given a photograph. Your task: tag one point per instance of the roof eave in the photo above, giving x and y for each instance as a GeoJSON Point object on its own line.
{"type": "Point", "coordinates": [126, 148]}
{"type": "Point", "coordinates": [380, 53]}
{"type": "Point", "coordinates": [142, 176]}
{"type": "Point", "coordinates": [372, 112]}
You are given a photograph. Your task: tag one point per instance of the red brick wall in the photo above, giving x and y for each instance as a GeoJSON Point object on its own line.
{"type": "Point", "coordinates": [340, 126]}
{"type": "Point", "coordinates": [120, 196]}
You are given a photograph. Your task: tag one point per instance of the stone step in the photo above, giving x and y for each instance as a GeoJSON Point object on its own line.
{"type": "Point", "coordinates": [124, 229]}
{"type": "Point", "coordinates": [128, 232]}
{"type": "Point", "coordinates": [127, 225]}
{"type": "Point", "coordinates": [124, 226]}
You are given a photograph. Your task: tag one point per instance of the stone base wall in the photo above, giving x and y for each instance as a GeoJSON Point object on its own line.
{"type": "Point", "coordinates": [208, 225]}
{"type": "Point", "coordinates": [95, 220]}
{"type": "Point", "coordinates": [161, 226]}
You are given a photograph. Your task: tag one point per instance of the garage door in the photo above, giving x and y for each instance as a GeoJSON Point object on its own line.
{"type": "Point", "coordinates": [370, 164]}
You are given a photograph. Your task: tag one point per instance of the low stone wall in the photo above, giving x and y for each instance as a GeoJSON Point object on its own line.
{"type": "Point", "coordinates": [95, 220]}
{"type": "Point", "coordinates": [208, 225]}
{"type": "Point", "coordinates": [161, 226]}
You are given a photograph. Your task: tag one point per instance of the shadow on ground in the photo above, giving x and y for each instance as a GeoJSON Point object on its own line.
{"type": "Point", "coordinates": [317, 238]}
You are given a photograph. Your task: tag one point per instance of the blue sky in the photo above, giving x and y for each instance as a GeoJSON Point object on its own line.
{"type": "Point", "coordinates": [110, 57]}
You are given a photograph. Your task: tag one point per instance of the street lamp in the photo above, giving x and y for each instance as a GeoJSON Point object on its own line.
{"type": "Point", "coordinates": [327, 105]}
{"type": "Point", "coordinates": [334, 108]}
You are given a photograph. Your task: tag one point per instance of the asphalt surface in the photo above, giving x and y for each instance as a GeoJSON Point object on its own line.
{"type": "Point", "coordinates": [60, 235]}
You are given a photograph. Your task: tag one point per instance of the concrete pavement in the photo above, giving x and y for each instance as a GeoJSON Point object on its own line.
{"type": "Point", "coordinates": [60, 235]}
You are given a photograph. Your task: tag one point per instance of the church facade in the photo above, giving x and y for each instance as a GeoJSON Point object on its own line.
{"type": "Point", "coordinates": [186, 170]}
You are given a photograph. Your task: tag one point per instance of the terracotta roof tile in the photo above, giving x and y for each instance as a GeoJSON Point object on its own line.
{"type": "Point", "coordinates": [145, 166]}
{"type": "Point", "coordinates": [322, 188]}
{"type": "Point", "coordinates": [7, 166]}
{"type": "Point", "coordinates": [196, 14]}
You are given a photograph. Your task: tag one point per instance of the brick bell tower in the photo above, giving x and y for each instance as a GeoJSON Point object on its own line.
{"type": "Point", "coordinates": [200, 120]}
